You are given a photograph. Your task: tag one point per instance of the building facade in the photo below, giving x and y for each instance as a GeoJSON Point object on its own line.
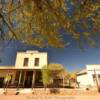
{"type": "Point", "coordinates": [27, 70]}
{"type": "Point", "coordinates": [89, 76]}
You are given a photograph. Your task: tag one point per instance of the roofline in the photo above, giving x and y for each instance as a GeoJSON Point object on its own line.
{"type": "Point", "coordinates": [79, 74]}
{"type": "Point", "coordinates": [32, 52]}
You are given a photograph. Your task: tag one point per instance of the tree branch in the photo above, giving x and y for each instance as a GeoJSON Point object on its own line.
{"type": "Point", "coordinates": [8, 25]}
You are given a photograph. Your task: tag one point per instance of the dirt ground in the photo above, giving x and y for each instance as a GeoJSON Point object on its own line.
{"type": "Point", "coordinates": [47, 97]}
{"type": "Point", "coordinates": [41, 94]}
{"type": "Point", "coordinates": [58, 91]}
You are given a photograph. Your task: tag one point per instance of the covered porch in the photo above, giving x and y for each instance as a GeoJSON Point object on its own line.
{"type": "Point", "coordinates": [21, 78]}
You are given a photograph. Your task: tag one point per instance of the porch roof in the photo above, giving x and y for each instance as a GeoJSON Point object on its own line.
{"type": "Point", "coordinates": [14, 68]}
{"type": "Point", "coordinates": [82, 72]}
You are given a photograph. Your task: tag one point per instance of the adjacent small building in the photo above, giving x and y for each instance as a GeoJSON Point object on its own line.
{"type": "Point", "coordinates": [27, 69]}
{"type": "Point", "coordinates": [89, 76]}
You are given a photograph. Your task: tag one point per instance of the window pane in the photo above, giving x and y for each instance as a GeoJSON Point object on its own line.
{"type": "Point", "coordinates": [25, 62]}
{"type": "Point", "coordinates": [36, 62]}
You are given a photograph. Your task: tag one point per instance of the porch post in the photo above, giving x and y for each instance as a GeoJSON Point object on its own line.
{"type": "Point", "coordinates": [24, 78]}
{"type": "Point", "coordinates": [19, 78]}
{"type": "Point", "coordinates": [5, 82]}
{"type": "Point", "coordinates": [33, 79]}
{"type": "Point", "coordinates": [63, 82]}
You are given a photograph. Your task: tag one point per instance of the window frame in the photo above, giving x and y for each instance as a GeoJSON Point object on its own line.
{"type": "Point", "coordinates": [25, 62]}
{"type": "Point", "coordinates": [36, 61]}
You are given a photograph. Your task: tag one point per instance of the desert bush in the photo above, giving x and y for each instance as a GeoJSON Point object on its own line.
{"type": "Point", "coordinates": [54, 90]}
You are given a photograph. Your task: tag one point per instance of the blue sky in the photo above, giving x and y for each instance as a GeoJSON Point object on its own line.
{"type": "Point", "coordinates": [71, 57]}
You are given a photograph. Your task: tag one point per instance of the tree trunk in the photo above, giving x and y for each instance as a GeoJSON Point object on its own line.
{"type": "Point", "coordinates": [45, 88]}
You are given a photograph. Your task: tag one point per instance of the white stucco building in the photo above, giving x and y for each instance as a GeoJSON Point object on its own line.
{"type": "Point", "coordinates": [89, 76]}
{"type": "Point", "coordinates": [31, 60]}
{"type": "Point", "coordinates": [27, 69]}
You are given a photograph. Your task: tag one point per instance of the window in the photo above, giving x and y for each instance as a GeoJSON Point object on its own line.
{"type": "Point", "coordinates": [25, 62]}
{"type": "Point", "coordinates": [36, 63]}
{"type": "Point", "coordinates": [99, 77]}
{"type": "Point", "coordinates": [94, 78]}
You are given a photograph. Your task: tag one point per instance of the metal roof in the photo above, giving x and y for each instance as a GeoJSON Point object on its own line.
{"type": "Point", "coordinates": [82, 72]}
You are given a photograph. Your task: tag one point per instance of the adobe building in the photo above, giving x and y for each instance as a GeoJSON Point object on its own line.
{"type": "Point", "coordinates": [27, 70]}
{"type": "Point", "coordinates": [89, 77]}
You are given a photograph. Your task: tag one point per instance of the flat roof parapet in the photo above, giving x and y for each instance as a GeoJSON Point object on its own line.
{"type": "Point", "coordinates": [32, 51]}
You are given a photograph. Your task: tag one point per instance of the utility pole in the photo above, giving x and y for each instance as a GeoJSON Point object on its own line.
{"type": "Point", "coordinates": [98, 88]}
